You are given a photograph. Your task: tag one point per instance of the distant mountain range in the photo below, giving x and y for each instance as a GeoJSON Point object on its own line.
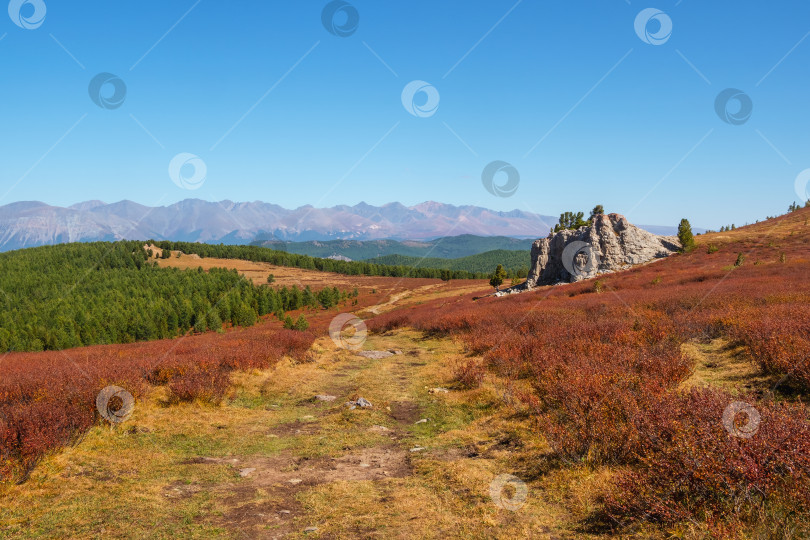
{"type": "Point", "coordinates": [28, 224]}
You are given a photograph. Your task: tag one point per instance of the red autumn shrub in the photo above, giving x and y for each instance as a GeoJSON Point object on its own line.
{"type": "Point", "coordinates": [779, 339]}
{"type": "Point", "coordinates": [204, 383]}
{"type": "Point", "coordinates": [695, 464]}
{"type": "Point", "coordinates": [48, 399]}
{"type": "Point", "coordinates": [469, 374]}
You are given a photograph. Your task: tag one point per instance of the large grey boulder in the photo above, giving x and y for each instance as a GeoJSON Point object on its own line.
{"type": "Point", "coordinates": [611, 243]}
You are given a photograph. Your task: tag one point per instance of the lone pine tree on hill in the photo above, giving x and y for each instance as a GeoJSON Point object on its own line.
{"type": "Point", "coordinates": [685, 236]}
{"type": "Point", "coordinates": [497, 277]}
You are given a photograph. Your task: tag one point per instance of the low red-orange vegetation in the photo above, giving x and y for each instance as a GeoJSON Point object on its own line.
{"type": "Point", "coordinates": [48, 399]}
{"type": "Point", "coordinates": [606, 367]}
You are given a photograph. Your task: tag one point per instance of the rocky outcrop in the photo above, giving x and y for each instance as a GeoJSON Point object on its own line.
{"type": "Point", "coordinates": [611, 243]}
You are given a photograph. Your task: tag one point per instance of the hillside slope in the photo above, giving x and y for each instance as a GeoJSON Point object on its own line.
{"type": "Point", "coordinates": [451, 247]}
{"type": "Point", "coordinates": [512, 261]}
{"type": "Point", "coordinates": [608, 368]}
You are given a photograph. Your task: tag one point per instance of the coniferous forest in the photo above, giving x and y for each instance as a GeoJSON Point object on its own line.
{"type": "Point", "coordinates": [56, 297]}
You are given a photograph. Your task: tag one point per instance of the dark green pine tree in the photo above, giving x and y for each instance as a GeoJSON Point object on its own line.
{"type": "Point", "coordinates": [685, 236]}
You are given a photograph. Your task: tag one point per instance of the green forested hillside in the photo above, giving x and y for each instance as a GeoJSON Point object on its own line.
{"type": "Point", "coordinates": [70, 295]}
{"type": "Point", "coordinates": [515, 262]}
{"type": "Point", "coordinates": [451, 247]}
{"type": "Point", "coordinates": [55, 297]}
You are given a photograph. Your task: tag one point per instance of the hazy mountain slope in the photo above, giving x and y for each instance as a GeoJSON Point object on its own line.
{"type": "Point", "coordinates": [481, 262]}
{"type": "Point", "coordinates": [451, 247]}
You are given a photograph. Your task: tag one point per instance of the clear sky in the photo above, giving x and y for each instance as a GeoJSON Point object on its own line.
{"type": "Point", "coordinates": [585, 108]}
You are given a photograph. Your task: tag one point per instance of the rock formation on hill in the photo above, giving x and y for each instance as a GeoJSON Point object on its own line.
{"type": "Point", "coordinates": [611, 243]}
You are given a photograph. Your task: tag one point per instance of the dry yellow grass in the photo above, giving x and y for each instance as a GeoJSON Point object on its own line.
{"type": "Point", "coordinates": [723, 365]}
{"type": "Point", "coordinates": [785, 226]}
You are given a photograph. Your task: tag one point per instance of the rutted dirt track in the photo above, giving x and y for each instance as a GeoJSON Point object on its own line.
{"type": "Point", "coordinates": [274, 461]}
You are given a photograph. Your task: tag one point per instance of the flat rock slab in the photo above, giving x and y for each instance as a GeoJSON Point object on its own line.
{"type": "Point", "coordinates": [375, 355]}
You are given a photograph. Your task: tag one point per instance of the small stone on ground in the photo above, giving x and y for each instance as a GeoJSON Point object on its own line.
{"type": "Point", "coordinates": [360, 402]}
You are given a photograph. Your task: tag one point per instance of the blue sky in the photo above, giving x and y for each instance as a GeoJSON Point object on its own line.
{"type": "Point", "coordinates": [281, 110]}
